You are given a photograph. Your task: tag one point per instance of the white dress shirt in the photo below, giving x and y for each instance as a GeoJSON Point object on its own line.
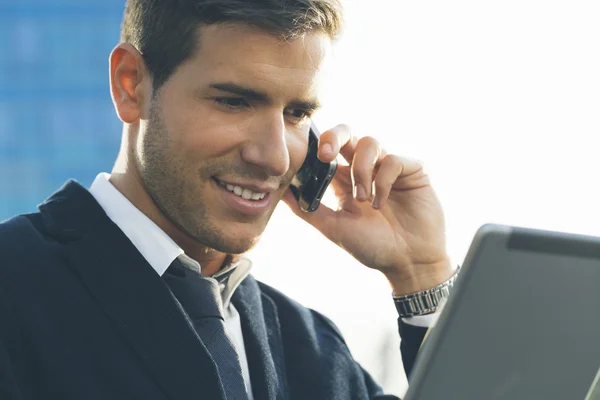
{"type": "Point", "coordinates": [160, 251]}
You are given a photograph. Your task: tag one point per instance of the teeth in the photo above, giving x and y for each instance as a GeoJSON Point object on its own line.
{"type": "Point", "coordinates": [245, 193]}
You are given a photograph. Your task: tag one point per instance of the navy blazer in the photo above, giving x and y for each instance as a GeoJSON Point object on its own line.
{"type": "Point", "coordinates": [84, 316]}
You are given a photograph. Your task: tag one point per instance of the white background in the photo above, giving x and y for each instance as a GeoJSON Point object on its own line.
{"type": "Point", "coordinates": [500, 99]}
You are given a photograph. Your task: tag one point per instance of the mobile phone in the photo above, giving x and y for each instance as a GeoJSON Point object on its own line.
{"type": "Point", "coordinates": [313, 177]}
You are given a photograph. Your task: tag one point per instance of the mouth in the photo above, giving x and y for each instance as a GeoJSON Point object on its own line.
{"type": "Point", "coordinates": [249, 201]}
{"type": "Point", "coordinates": [243, 192]}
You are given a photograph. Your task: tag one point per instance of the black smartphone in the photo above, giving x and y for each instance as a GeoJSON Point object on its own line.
{"type": "Point", "coordinates": [313, 177]}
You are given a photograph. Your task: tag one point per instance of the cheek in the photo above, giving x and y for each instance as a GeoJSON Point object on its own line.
{"type": "Point", "coordinates": [188, 135]}
{"type": "Point", "coordinates": [297, 148]}
{"type": "Point", "coordinates": [204, 133]}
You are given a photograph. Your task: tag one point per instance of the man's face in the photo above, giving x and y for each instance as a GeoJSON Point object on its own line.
{"type": "Point", "coordinates": [228, 131]}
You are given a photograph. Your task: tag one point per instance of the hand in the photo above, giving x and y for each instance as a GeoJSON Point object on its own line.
{"type": "Point", "coordinates": [398, 229]}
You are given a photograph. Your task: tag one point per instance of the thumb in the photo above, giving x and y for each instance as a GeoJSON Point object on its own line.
{"type": "Point", "coordinates": [323, 218]}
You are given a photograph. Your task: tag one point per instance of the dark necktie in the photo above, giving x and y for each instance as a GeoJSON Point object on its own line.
{"type": "Point", "coordinates": [200, 297]}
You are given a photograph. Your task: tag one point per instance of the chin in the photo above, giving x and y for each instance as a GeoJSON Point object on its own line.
{"type": "Point", "coordinates": [231, 238]}
{"type": "Point", "coordinates": [244, 241]}
{"type": "Point", "coordinates": [240, 235]}
{"type": "Point", "coordinates": [236, 245]}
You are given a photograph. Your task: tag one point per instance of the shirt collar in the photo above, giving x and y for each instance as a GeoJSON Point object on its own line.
{"type": "Point", "coordinates": [152, 242]}
{"type": "Point", "coordinates": [229, 278]}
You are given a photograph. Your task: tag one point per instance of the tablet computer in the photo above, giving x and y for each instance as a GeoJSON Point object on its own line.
{"type": "Point", "coordinates": [522, 322]}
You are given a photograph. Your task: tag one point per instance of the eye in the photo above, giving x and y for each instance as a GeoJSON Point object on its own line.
{"type": "Point", "coordinates": [298, 114]}
{"type": "Point", "coordinates": [233, 103]}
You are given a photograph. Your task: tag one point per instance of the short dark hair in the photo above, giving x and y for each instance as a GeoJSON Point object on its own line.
{"type": "Point", "coordinates": [165, 31]}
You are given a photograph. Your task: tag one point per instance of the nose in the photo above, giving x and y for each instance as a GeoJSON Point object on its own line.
{"type": "Point", "coordinates": [267, 146]}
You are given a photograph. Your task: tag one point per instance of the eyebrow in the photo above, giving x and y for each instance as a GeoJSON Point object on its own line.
{"type": "Point", "coordinates": [256, 95]}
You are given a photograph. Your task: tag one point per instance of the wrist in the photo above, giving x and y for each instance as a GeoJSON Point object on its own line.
{"type": "Point", "coordinates": [425, 302]}
{"type": "Point", "coordinates": [420, 277]}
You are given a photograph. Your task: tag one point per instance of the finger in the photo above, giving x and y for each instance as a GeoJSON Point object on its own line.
{"type": "Point", "coordinates": [390, 169]}
{"type": "Point", "coordinates": [413, 175]}
{"type": "Point", "coordinates": [333, 141]}
{"type": "Point", "coordinates": [397, 173]}
{"type": "Point", "coordinates": [363, 164]}
{"type": "Point", "coordinates": [342, 181]}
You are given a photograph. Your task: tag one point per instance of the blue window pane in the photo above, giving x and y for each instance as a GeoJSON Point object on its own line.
{"type": "Point", "coordinates": [56, 116]}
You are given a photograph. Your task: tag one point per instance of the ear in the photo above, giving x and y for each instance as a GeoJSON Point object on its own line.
{"type": "Point", "coordinates": [130, 83]}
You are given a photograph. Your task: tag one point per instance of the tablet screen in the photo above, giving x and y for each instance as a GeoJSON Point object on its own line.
{"type": "Point", "coordinates": [525, 324]}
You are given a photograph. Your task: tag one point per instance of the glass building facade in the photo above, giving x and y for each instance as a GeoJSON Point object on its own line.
{"type": "Point", "coordinates": [57, 120]}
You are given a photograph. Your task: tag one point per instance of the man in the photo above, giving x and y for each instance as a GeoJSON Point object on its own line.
{"type": "Point", "coordinates": [99, 289]}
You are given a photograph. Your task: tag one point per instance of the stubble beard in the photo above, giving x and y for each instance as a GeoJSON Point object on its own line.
{"type": "Point", "coordinates": [165, 176]}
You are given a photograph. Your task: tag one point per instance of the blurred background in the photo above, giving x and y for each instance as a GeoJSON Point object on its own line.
{"type": "Point", "coordinates": [500, 99]}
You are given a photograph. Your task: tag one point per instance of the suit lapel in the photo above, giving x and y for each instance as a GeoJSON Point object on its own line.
{"type": "Point", "coordinates": [132, 294]}
{"type": "Point", "coordinates": [262, 340]}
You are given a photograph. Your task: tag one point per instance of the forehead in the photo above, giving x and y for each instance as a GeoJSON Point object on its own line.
{"type": "Point", "coordinates": [245, 54]}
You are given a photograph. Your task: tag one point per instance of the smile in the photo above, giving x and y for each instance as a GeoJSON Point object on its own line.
{"type": "Point", "coordinates": [242, 192]}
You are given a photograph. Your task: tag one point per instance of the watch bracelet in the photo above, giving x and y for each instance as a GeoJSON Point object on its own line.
{"type": "Point", "coordinates": [424, 302]}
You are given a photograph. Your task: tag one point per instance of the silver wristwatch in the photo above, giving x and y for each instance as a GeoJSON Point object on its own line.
{"type": "Point", "coordinates": [425, 302]}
